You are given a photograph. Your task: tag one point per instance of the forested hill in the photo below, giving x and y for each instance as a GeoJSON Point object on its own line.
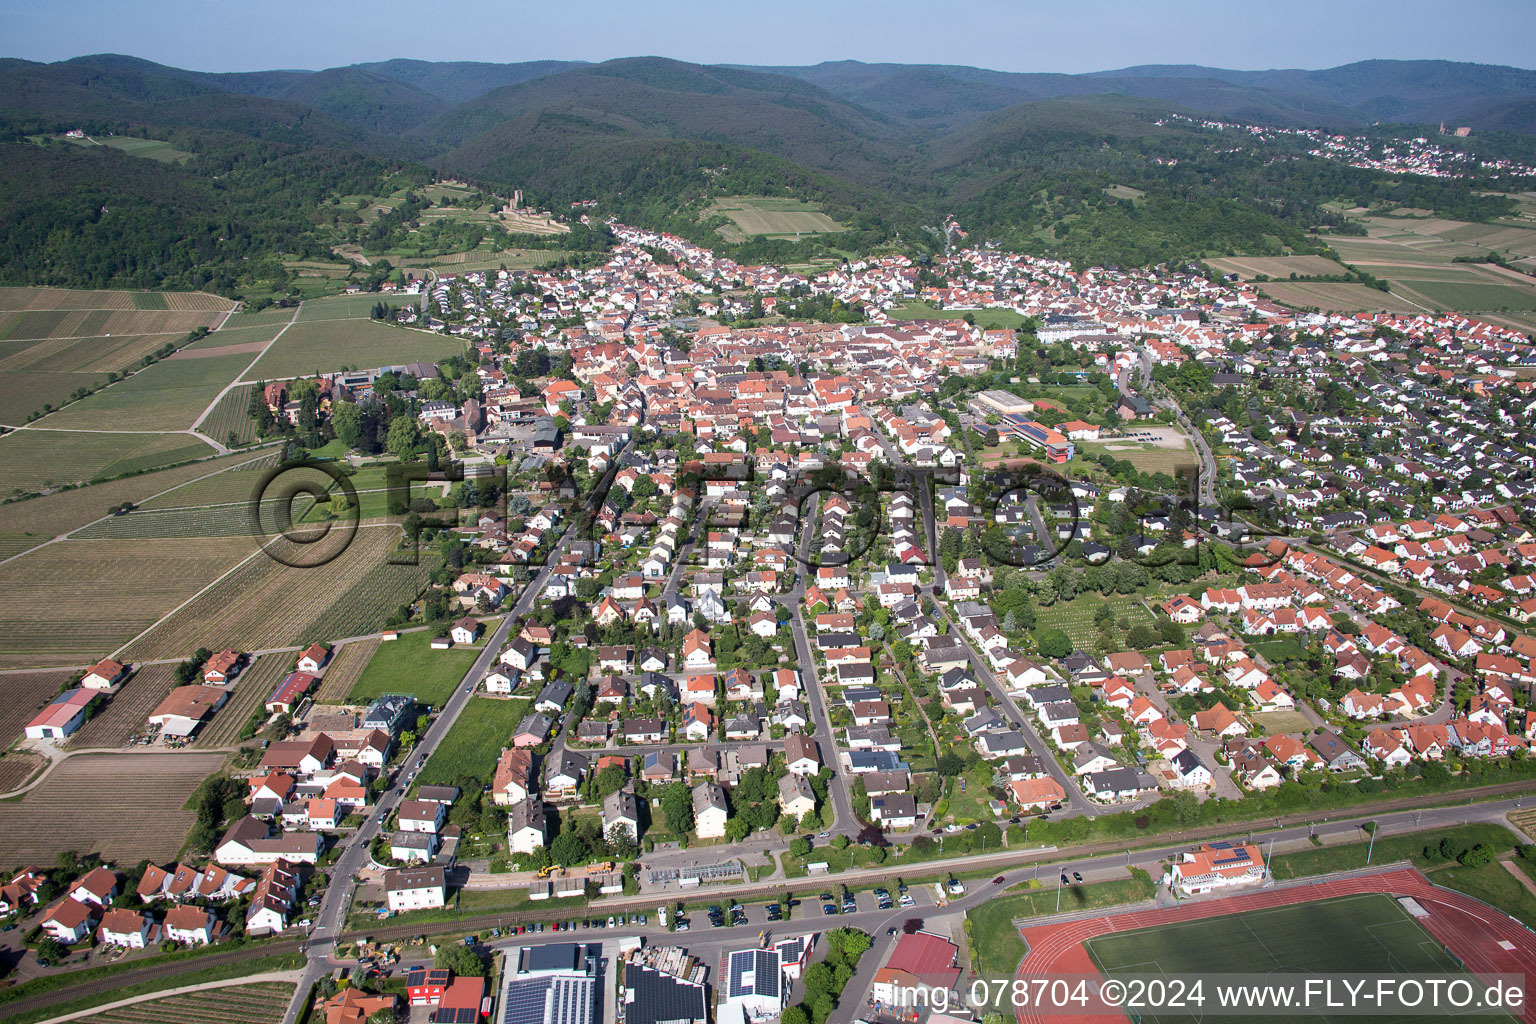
{"type": "Point", "coordinates": [1089, 167]}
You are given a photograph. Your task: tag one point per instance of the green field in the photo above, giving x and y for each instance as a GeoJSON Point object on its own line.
{"type": "Point", "coordinates": [1369, 933]}
{"type": "Point", "coordinates": [985, 318]}
{"type": "Point", "coordinates": [410, 665]}
{"type": "Point", "coordinates": [475, 741]}
{"type": "Point", "coordinates": [150, 149]}
{"type": "Point", "coordinates": [35, 459]}
{"type": "Point", "coordinates": [170, 395]}
{"type": "Point", "coordinates": [997, 944]}
{"type": "Point", "coordinates": [347, 307]}
{"type": "Point", "coordinates": [324, 346]}
{"type": "Point", "coordinates": [776, 217]}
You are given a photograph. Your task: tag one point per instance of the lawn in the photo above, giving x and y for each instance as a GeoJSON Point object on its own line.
{"type": "Point", "coordinates": [475, 741]}
{"type": "Point", "coordinates": [970, 805]}
{"type": "Point", "coordinates": [1410, 846]}
{"type": "Point", "coordinates": [995, 941]}
{"type": "Point", "coordinates": [985, 318]}
{"type": "Point", "coordinates": [1285, 648]}
{"type": "Point", "coordinates": [322, 346]}
{"type": "Point", "coordinates": [410, 665]}
{"type": "Point", "coordinates": [1277, 722]}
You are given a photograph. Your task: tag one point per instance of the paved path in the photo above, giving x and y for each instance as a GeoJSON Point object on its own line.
{"type": "Point", "coordinates": [239, 377]}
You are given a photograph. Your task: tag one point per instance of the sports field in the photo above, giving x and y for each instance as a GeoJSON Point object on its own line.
{"type": "Point", "coordinates": [1363, 933]}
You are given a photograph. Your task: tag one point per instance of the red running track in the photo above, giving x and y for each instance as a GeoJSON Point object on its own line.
{"type": "Point", "coordinates": [1470, 929]}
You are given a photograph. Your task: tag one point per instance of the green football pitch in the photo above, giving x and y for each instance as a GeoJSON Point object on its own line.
{"type": "Point", "coordinates": [1367, 934]}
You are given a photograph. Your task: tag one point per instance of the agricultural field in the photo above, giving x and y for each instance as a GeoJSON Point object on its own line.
{"type": "Point", "coordinates": [237, 484]}
{"type": "Point", "coordinates": [36, 459]}
{"type": "Point", "coordinates": [1278, 267]}
{"type": "Point", "coordinates": [776, 217]}
{"type": "Point", "coordinates": [25, 694]}
{"type": "Point", "coordinates": [27, 523]}
{"type": "Point", "coordinates": [125, 715]}
{"type": "Point", "coordinates": [1363, 934]}
{"type": "Point", "coordinates": [323, 346]}
{"type": "Point", "coordinates": [259, 1003]}
{"type": "Point", "coordinates": [247, 696]}
{"type": "Point", "coordinates": [230, 421]}
{"type": "Point", "coordinates": [345, 669]}
{"type": "Point", "coordinates": [475, 741]}
{"type": "Point", "coordinates": [54, 342]}
{"type": "Point", "coordinates": [149, 149]}
{"type": "Point", "coordinates": [63, 813]}
{"type": "Point", "coordinates": [74, 602]}
{"type": "Point", "coordinates": [265, 604]}
{"type": "Point", "coordinates": [170, 395]}
{"type": "Point", "coordinates": [17, 767]}
{"type": "Point", "coordinates": [410, 665]}
{"type": "Point", "coordinates": [1342, 298]}
{"type": "Point", "coordinates": [345, 307]}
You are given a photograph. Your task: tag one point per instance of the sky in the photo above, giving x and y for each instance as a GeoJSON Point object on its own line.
{"type": "Point", "coordinates": [1007, 35]}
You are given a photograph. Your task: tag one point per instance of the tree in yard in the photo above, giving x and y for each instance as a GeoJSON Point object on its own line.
{"type": "Point", "coordinates": [461, 960]}
{"type": "Point", "coordinates": [811, 822]}
{"type": "Point", "coordinates": [840, 842]}
{"type": "Point", "coordinates": [1054, 643]}
{"type": "Point", "coordinates": [568, 849]}
{"type": "Point", "coordinates": [403, 436]}
{"type": "Point", "coordinates": [799, 847]}
{"type": "Point", "coordinates": [609, 781]}
{"type": "Point", "coordinates": [795, 1015]}
{"type": "Point", "coordinates": [51, 950]}
{"type": "Point", "coordinates": [737, 829]}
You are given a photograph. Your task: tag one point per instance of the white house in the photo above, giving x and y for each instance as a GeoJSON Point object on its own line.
{"type": "Point", "coordinates": [415, 888]}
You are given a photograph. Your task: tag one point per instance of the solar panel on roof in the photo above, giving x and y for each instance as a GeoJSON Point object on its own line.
{"type": "Point", "coordinates": [767, 973]}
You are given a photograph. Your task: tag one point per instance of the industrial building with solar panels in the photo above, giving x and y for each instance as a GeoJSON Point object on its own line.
{"type": "Point", "coordinates": [554, 984]}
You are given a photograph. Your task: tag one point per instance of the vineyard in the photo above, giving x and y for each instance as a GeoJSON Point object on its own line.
{"type": "Point", "coordinates": [260, 1003]}
{"type": "Point", "coordinates": [50, 515]}
{"type": "Point", "coordinates": [230, 520]}
{"type": "Point", "coordinates": [232, 416]}
{"type": "Point", "coordinates": [234, 486]}
{"type": "Point", "coordinates": [74, 602]}
{"type": "Point", "coordinates": [249, 692]}
{"type": "Point", "coordinates": [143, 796]}
{"type": "Point", "coordinates": [16, 767]}
{"type": "Point", "coordinates": [26, 693]}
{"type": "Point", "coordinates": [126, 713]}
{"type": "Point", "coordinates": [264, 604]}
{"type": "Point", "coordinates": [345, 669]}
